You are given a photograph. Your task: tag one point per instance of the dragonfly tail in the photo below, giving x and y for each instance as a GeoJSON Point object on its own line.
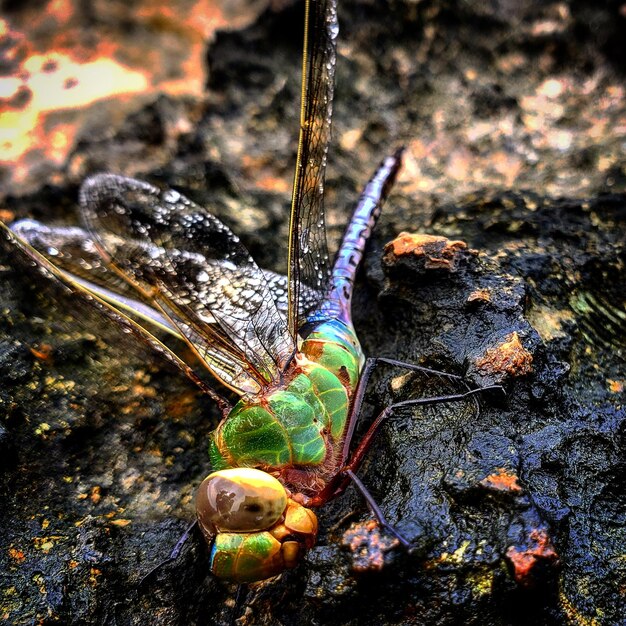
{"type": "Point", "coordinates": [357, 233]}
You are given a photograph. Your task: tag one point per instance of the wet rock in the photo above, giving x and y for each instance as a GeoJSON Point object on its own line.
{"type": "Point", "coordinates": [514, 506]}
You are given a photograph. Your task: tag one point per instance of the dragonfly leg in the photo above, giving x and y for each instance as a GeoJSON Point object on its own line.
{"type": "Point", "coordinates": [370, 365]}
{"type": "Point", "coordinates": [347, 473]}
{"type": "Point", "coordinates": [415, 368]}
{"type": "Point", "coordinates": [365, 444]}
{"type": "Point", "coordinates": [240, 604]}
{"type": "Point", "coordinates": [350, 462]}
{"type": "Point", "coordinates": [174, 554]}
{"type": "Point", "coordinates": [375, 509]}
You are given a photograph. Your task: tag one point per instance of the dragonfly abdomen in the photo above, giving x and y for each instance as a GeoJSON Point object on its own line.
{"type": "Point", "coordinates": [350, 254]}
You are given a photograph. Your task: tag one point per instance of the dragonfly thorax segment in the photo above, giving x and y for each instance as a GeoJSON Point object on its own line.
{"type": "Point", "coordinates": [296, 431]}
{"type": "Point", "coordinates": [295, 426]}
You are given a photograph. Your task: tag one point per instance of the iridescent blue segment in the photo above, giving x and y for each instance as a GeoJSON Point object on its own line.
{"type": "Point", "coordinates": [336, 331]}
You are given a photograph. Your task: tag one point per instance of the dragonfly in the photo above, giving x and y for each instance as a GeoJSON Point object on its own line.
{"type": "Point", "coordinates": [149, 258]}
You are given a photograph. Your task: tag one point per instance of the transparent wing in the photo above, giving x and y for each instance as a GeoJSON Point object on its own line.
{"type": "Point", "coordinates": [196, 272]}
{"type": "Point", "coordinates": [309, 264]}
{"type": "Point", "coordinates": [73, 250]}
{"type": "Point", "coordinates": [66, 284]}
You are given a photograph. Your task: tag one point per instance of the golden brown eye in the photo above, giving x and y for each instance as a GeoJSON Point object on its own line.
{"type": "Point", "coordinates": [239, 500]}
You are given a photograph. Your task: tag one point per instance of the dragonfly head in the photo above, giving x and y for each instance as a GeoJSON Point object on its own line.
{"type": "Point", "coordinates": [254, 529]}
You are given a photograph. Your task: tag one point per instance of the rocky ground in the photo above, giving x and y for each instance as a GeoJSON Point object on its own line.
{"type": "Point", "coordinates": [514, 119]}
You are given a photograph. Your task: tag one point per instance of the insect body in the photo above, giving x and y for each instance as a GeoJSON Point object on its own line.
{"type": "Point", "coordinates": [286, 345]}
{"type": "Point", "coordinates": [298, 430]}
{"type": "Point", "coordinates": [295, 432]}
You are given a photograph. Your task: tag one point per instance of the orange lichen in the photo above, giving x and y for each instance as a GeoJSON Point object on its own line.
{"type": "Point", "coordinates": [368, 546]}
{"type": "Point", "coordinates": [120, 523]}
{"type": "Point", "coordinates": [502, 480]}
{"type": "Point", "coordinates": [509, 357]}
{"type": "Point", "coordinates": [479, 295]}
{"type": "Point", "coordinates": [45, 544]}
{"type": "Point", "coordinates": [525, 559]}
{"type": "Point", "coordinates": [615, 386]}
{"type": "Point", "coordinates": [16, 555]}
{"type": "Point", "coordinates": [437, 252]}
{"type": "Point", "coordinates": [6, 216]}
{"type": "Point", "coordinates": [95, 494]}
{"type": "Point", "coordinates": [43, 352]}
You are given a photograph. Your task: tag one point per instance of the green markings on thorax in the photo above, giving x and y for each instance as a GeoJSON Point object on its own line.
{"type": "Point", "coordinates": [291, 426]}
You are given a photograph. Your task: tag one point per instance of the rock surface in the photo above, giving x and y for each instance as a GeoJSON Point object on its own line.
{"type": "Point", "coordinates": [514, 119]}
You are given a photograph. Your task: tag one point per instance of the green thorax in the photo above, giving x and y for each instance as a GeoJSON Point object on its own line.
{"type": "Point", "coordinates": [297, 425]}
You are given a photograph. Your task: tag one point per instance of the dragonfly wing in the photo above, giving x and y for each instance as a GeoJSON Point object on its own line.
{"type": "Point", "coordinates": [72, 249]}
{"type": "Point", "coordinates": [192, 268]}
{"type": "Point", "coordinates": [309, 264]}
{"type": "Point", "coordinates": [28, 255]}
{"type": "Point", "coordinates": [279, 286]}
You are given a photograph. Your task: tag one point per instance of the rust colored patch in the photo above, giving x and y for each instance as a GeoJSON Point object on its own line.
{"type": "Point", "coordinates": [502, 480]}
{"type": "Point", "coordinates": [343, 376]}
{"type": "Point", "coordinates": [16, 555]}
{"type": "Point", "coordinates": [45, 544]}
{"type": "Point", "coordinates": [479, 295]}
{"type": "Point", "coordinates": [61, 62]}
{"type": "Point", "coordinates": [368, 546]}
{"type": "Point", "coordinates": [6, 216]}
{"type": "Point", "coordinates": [120, 523]}
{"type": "Point", "coordinates": [43, 352]}
{"type": "Point", "coordinates": [509, 357]}
{"type": "Point", "coordinates": [314, 349]}
{"type": "Point", "coordinates": [96, 494]}
{"type": "Point", "coordinates": [616, 386]}
{"type": "Point", "coordinates": [271, 183]}
{"type": "Point", "coordinates": [525, 559]}
{"type": "Point", "coordinates": [437, 252]}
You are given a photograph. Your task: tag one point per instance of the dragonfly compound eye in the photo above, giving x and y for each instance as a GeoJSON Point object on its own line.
{"type": "Point", "coordinates": [252, 556]}
{"type": "Point", "coordinates": [239, 500]}
{"type": "Point", "coordinates": [254, 530]}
